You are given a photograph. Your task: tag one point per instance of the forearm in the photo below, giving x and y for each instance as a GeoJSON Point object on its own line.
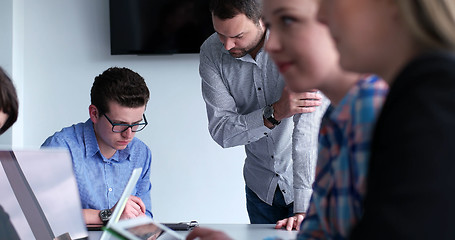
{"type": "Point", "coordinates": [303, 179]}
{"type": "Point", "coordinates": [304, 165]}
{"type": "Point", "coordinates": [305, 154]}
{"type": "Point", "coordinates": [235, 129]}
{"type": "Point", "coordinates": [301, 199]}
{"type": "Point", "coordinates": [144, 186]}
{"type": "Point", "coordinates": [91, 216]}
{"type": "Point", "coordinates": [146, 199]}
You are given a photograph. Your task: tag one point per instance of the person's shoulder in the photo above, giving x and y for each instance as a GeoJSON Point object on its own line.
{"type": "Point", "coordinates": [426, 68]}
{"type": "Point", "coordinates": [139, 152]}
{"type": "Point", "coordinates": [66, 134]}
{"type": "Point", "coordinates": [438, 64]}
{"type": "Point", "coordinates": [211, 41]}
{"type": "Point", "coordinates": [371, 94]}
{"type": "Point", "coordinates": [431, 60]}
{"type": "Point", "coordinates": [73, 130]}
{"type": "Point", "coordinates": [372, 85]}
{"type": "Point", "coordinates": [212, 46]}
{"type": "Point", "coordinates": [138, 145]}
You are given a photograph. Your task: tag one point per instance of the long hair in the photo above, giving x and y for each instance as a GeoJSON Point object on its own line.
{"type": "Point", "coordinates": [432, 22]}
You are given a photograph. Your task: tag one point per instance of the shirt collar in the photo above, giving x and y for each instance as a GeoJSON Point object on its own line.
{"type": "Point", "coordinates": [92, 148]}
{"type": "Point", "coordinates": [342, 112]}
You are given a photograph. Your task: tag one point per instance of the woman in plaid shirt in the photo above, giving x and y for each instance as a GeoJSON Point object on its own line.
{"type": "Point", "coordinates": [306, 55]}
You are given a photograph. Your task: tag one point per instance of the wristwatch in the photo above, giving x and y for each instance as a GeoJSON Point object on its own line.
{"type": "Point", "coordinates": [105, 215]}
{"type": "Point", "coordinates": [267, 112]}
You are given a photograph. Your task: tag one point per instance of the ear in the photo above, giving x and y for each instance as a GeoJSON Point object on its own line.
{"type": "Point", "coordinates": [93, 113]}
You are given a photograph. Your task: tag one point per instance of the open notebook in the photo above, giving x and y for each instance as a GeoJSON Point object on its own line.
{"type": "Point", "coordinates": [39, 197]}
{"type": "Point", "coordinates": [143, 228]}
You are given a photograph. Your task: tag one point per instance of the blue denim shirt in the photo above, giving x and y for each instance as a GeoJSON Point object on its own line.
{"type": "Point", "coordinates": [101, 181]}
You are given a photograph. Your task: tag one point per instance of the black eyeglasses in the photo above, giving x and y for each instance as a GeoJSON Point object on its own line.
{"type": "Point", "coordinates": [121, 127]}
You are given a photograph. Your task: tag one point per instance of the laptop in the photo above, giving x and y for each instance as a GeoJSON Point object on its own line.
{"type": "Point", "coordinates": [39, 196]}
{"type": "Point", "coordinates": [122, 201]}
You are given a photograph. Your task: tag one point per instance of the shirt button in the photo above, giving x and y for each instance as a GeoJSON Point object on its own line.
{"type": "Point", "coordinates": [110, 189]}
{"type": "Point", "coordinates": [277, 174]}
{"type": "Point", "coordinates": [259, 89]}
{"type": "Point", "coordinates": [284, 191]}
{"type": "Point", "coordinates": [265, 134]}
{"type": "Point", "coordinates": [271, 156]}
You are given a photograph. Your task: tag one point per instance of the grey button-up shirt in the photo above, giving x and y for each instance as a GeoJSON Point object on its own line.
{"type": "Point", "coordinates": [235, 91]}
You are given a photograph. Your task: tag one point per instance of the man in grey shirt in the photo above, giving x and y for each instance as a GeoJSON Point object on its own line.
{"type": "Point", "coordinates": [248, 104]}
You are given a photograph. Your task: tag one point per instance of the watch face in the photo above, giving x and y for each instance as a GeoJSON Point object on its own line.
{"type": "Point", "coordinates": [268, 114]}
{"type": "Point", "coordinates": [268, 111]}
{"type": "Point", "coordinates": [105, 214]}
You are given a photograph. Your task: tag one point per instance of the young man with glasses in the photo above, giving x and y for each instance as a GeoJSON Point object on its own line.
{"type": "Point", "coordinates": [104, 149]}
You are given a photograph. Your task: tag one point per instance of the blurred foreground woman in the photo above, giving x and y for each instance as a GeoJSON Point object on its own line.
{"type": "Point", "coordinates": [410, 186]}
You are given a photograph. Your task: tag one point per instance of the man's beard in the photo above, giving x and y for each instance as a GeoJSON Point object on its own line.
{"type": "Point", "coordinates": [240, 52]}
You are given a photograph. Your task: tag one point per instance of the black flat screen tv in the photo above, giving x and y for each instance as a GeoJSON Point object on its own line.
{"type": "Point", "coordinates": [141, 27]}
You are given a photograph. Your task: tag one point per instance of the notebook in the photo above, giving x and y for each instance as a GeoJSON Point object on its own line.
{"type": "Point", "coordinates": [39, 197]}
{"type": "Point", "coordinates": [122, 201]}
{"type": "Point", "coordinates": [143, 228]}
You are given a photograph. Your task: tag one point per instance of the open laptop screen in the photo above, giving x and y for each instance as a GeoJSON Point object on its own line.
{"type": "Point", "coordinates": [50, 205]}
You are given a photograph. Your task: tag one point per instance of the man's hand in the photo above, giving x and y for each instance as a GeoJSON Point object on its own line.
{"type": "Point", "coordinates": [291, 223]}
{"type": "Point", "coordinates": [207, 234]}
{"type": "Point", "coordinates": [134, 208]}
{"type": "Point", "coordinates": [292, 103]}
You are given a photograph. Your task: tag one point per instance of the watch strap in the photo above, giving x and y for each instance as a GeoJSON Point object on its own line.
{"type": "Point", "coordinates": [273, 121]}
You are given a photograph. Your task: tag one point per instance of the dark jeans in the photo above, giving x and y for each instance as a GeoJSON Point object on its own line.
{"type": "Point", "coordinates": [262, 213]}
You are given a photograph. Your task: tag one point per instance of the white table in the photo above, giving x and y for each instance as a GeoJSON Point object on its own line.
{"type": "Point", "coordinates": [239, 232]}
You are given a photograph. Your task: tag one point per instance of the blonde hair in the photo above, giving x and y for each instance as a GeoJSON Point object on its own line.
{"type": "Point", "coordinates": [432, 22]}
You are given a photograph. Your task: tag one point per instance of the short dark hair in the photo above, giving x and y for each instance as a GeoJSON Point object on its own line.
{"type": "Point", "coordinates": [8, 101]}
{"type": "Point", "coordinates": [227, 9]}
{"type": "Point", "coordinates": [121, 85]}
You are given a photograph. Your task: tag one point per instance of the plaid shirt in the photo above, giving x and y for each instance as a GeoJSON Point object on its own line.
{"type": "Point", "coordinates": [341, 170]}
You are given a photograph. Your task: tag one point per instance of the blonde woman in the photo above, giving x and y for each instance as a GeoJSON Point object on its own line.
{"type": "Point", "coordinates": [410, 190]}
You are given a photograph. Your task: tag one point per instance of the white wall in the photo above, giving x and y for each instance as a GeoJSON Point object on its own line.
{"type": "Point", "coordinates": [6, 53]}
{"type": "Point", "coordinates": [61, 45]}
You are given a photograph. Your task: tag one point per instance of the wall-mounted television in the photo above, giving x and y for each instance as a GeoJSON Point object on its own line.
{"type": "Point", "coordinates": [140, 27]}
